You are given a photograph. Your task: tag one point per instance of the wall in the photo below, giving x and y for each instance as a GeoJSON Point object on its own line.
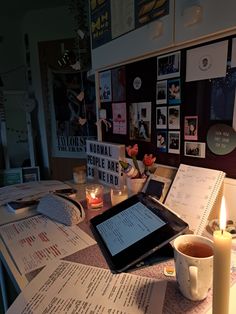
{"type": "Point", "coordinates": [45, 25]}
{"type": "Point", "coordinates": [40, 25]}
{"type": "Point", "coordinates": [11, 53]}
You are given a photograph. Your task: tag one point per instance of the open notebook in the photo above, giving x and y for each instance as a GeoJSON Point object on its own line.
{"type": "Point", "coordinates": [195, 195]}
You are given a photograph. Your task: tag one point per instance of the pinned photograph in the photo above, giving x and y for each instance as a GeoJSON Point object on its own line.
{"type": "Point", "coordinates": [174, 91]}
{"type": "Point", "coordinates": [162, 141]}
{"type": "Point", "coordinates": [140, 121]}
{"type": "Point", "coordinates": [105, 86]}
{"type": "Point", "coordinates": [168, 65]}
{"type": "Point", "coordinates": [161, 92]}
{"type": "Point", "coordinates": [161, 116]}
{"type": "Point", "coordinates": [191, 128]}
{"type": "Point", "coordinates": [174, 117]}
{"type": "Point", "coordinates": [174, 142]}
{"type": "Point", "coordinates": [207, 61]}
{"type": "Point", "coordinates": [195, 149]}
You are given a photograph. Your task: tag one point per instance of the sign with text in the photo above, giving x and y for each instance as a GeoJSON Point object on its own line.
{"type": "Point", "coordinates": [103, 162]}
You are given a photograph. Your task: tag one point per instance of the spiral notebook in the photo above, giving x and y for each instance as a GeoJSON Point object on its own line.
{"type": "Point", "coordinates": [195, 195]}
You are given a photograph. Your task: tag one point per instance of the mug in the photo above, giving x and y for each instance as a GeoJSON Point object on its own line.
{"type": "Point", "coordinates": [193, 256]}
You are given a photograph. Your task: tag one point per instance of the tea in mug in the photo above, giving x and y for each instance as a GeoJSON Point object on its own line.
{"type": "Point", "coordinates": [196, 249]}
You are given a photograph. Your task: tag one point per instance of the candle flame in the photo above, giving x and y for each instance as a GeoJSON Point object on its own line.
{"type": "Point", "coordinates": [93, 195]}
{"type": "Point", "coordinates": [223, 214]}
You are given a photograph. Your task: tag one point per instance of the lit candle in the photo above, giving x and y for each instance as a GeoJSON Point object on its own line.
{"type": "Point", "coordinates": [221, 265]}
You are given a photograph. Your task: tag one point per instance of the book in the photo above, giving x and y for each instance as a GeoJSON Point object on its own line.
{"type": "Point", "coordinates": [195, 195]}
{"type": "Point", "coordinates": [19, 207]}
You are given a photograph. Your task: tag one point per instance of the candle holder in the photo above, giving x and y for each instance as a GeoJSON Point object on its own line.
{"type": "Point", "coordinates": [118, 194]}
{"type": "Point", "coordinates": [94, 196]}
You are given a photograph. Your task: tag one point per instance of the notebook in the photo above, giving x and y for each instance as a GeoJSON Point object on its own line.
{"type": "Point", "coordinates": [195, 195]}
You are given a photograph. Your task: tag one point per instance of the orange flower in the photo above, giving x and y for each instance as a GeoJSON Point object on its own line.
{"type": "Point", "coordinates": [148, 160]}
{"type": "Point", "coordinates": [132, 151]}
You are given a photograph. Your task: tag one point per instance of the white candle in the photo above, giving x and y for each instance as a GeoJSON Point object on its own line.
{"type": "Point", "coordinates": [221, 265]}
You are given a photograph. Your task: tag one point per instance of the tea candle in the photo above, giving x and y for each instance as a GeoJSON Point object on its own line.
{"type": "Point", "coordinates": [94, 196]}
{"type": "Point", "coordinates": [221, 265]}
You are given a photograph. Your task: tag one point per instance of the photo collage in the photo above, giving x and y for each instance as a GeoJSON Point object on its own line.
{"type": "Point", "coordinates": [168, 103]}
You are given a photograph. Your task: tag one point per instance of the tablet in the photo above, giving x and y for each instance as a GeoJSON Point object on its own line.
{"type": "Point", "coordinates": [134, 229]}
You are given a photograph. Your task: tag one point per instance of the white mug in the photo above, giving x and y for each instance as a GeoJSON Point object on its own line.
{"type": "Point", "coordinates": [193, 255]}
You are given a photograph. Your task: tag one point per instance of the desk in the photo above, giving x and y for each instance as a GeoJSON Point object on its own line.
{"type": "Point", "coordinates": [174, 301]}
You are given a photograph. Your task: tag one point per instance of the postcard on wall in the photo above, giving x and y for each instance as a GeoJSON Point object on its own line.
{"type": "Point", "coordinates": [140, 121]}
{"type": "Point", "coordinates": [161, 92]}
{"type": "Point", "coordinates": [195, 149]}
{"type": "Point", "coordinates": [168, 65]}
{"type": "Point", "coordinates": [105, 86]}
{"type": "Point", "coordinates": [174, 91]}
{"type": "Point", "coordinates": [119, 118]}
{"type": "Point", "coordinates": [122, 17]}
{"type": "Point", "coordinates": [174, 142]}
{"type": "Point", "coordinates": [118, 84]}
{"type": "Point", "coordinates": [161, 116]}
{"type": "Point", "coordinates": [162, 141]}
{"type": "Point", "coordinates": [207, 61]}
{"type": "Point", "coordinates": [191, 128]}
{"type": "Point", "coordinates": [174, 117]}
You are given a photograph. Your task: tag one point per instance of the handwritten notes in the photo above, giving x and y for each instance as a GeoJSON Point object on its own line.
{"type": "Point", "coordinates": [193, 194]}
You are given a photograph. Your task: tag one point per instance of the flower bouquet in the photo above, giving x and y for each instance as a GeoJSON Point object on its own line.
{"type": "Point", "coordinates": [135, 177]}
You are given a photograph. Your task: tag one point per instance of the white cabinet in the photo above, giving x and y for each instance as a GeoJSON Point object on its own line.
{"type": "Point", "coordinates": [144, 40]}
{"type": "Point", "coordinates": [199, 18]}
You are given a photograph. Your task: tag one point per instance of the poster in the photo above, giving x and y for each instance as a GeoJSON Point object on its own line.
{"type": "Point", "coordinates": [119, 118]}
{"type": "Point", "coordinates": [73, 113]}
{"type": "Point", "coordinates": [100, 22]}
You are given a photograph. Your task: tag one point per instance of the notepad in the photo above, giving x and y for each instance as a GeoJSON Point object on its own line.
{"type": "Point", "coordinates": [195, 194]}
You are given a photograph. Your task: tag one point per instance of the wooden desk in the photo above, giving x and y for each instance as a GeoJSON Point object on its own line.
{"type": "Point", "coordinates": [174, 301]}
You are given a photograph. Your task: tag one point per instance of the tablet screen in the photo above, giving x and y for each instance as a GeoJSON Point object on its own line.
{"type": "Point", "coordinates": [128, 227]}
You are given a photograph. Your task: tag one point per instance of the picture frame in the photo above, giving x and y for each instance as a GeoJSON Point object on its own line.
{"type": "Point", "coordinates": [30, 174]}
{"type": "Point", "coordinates": [10, 176]}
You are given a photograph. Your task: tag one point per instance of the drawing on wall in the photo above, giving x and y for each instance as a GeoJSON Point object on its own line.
{"type": "Point", "coordinates": [73, 113]}
{"type": "Point", "coordinates": [191, 127]}
{"type": "Point", "coordinates": [168, 65]}
{"type": "Point", "coordinates": [223, 96]}
{"type": "Point", "coordinates": [122, 17]}
{"type": "Point", "coordinates": [195, 149]}
{"type": "Point", "coordinates": [147, 11]}
{"type": "Point", "coordinates": [162, 141]}
{"type": "Point", "coordinates": [161, 92]}
{"type": "Point", "coordinates": [161, 116]}
{"type": "Point", "coordinates": [174, 117]}
{"type": "Point", "coordinates": [174, 91]}
{"type": "Point", "coordinates": [174, 142]}
{"type": "Point", "coordinates": [118, 84]}
{"type": "Point", "coordinates": [119, 118]}
{"type": "Point", "coordinates": [207, 61]}
{"type": "Point", "coordinates": [140, 121]}
{"type": "Point", "coordinates": [105, 86]}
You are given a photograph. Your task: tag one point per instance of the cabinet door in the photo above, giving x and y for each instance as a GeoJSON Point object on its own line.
{"type": "Point", "coordinates": [139, 42]}
{"type": "Point", "coordinates": [198, 18]}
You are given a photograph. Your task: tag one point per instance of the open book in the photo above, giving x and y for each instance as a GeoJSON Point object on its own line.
{"type": "Point", "coordinates": [195, 195]}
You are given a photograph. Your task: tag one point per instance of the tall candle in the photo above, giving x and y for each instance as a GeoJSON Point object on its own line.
{"type": "Point", "coordinates": [221, 265]}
